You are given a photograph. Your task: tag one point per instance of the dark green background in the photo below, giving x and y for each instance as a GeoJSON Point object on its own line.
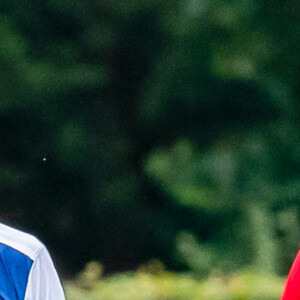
{"type": "Point", "coordinates": [133, 130]}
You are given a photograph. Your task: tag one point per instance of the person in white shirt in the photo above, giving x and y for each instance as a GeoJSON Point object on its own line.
{"type": "Point", "coordinates": [26, 268]}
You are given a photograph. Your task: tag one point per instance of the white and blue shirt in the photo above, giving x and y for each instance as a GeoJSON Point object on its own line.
{"type": "Point", "coordinates": [26, 268]}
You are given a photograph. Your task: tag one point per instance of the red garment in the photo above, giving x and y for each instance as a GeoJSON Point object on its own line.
{"type": "Point", "coordinates": [292, 286]}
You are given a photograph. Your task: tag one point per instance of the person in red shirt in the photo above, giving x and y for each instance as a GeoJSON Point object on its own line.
{"type": "Point", "coordinates": [292, 286]}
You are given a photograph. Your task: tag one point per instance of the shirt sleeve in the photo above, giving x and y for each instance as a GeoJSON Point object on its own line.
{"type": "Point", "coordinates": [292, 286]}
{"type": "Point", "coordinates": [43, 282]}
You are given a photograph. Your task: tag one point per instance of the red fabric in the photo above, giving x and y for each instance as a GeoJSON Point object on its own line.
{"type": "Point", "coordinates": [292, 286]}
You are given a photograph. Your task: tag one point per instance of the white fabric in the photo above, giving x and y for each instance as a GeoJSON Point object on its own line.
{"type": "Point", "coordinates": [43, 283]}
{"type": "Point", "coordinates": [21, 241]}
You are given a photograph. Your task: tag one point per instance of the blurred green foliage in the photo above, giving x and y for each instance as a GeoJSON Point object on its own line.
{"type": "Point", "coordinates": [142, 285]}
{"type": "Point", "coordinates": [133, 130]}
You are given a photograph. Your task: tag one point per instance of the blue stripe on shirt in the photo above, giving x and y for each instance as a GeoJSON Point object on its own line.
{"type": "Point", "coordinates": [14, 273]}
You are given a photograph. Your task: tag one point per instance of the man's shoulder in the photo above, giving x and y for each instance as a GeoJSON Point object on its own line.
{"type": "Point", "coordinates": [23, 242]}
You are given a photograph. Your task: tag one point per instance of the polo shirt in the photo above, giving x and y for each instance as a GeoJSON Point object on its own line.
{"type": "Point", "coordinates": [26, 268]}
